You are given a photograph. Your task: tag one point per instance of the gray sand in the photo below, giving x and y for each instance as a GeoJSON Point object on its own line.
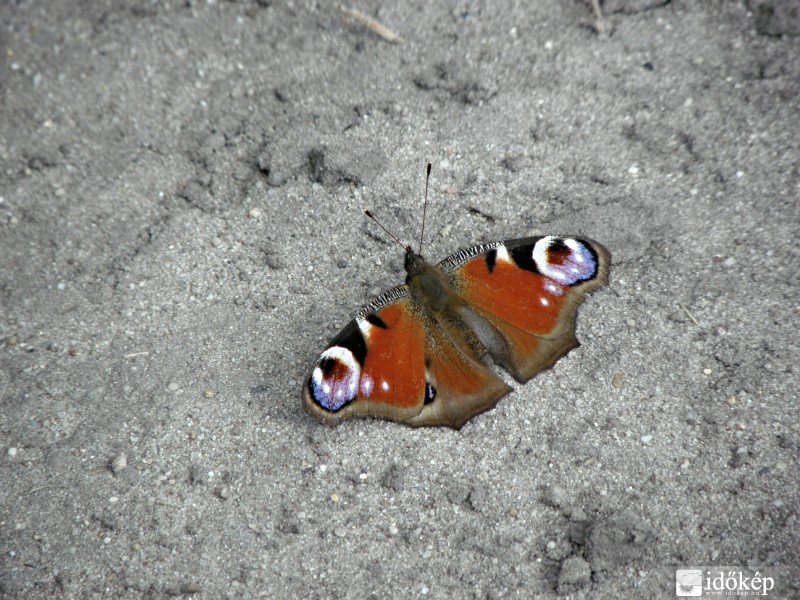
{"type": "Point", "coordinates": [181, 233]}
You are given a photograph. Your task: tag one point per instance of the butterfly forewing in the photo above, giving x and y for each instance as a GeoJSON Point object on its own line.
{"type": "Point", "coordinates": [375, 366]}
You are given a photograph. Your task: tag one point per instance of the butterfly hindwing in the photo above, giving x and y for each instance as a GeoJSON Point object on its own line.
{"type": "Point", "coordinates": [522, 296]}
{"type": "Point", "coordinates": [459, 385]}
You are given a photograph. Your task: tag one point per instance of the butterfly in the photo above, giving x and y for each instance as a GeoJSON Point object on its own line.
{"type": "Point", "coordinates": [418, 352]}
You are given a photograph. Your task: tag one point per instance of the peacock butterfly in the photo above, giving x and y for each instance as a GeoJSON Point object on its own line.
{"type": "Point", "coordinates": [417, 353]}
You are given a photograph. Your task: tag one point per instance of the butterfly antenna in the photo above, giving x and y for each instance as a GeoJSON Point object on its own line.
{"type": "Point", "coordinates": [389, 233]}
{"type": "Point", "coordinates": [424, 207]}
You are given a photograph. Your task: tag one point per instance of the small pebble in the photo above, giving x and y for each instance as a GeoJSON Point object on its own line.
{"type": "Point", "coordinates": [393, 530]}
{"type": "Point", "coordinates": [209, 393]}
{"type": "Point", "coordinates": [255, 213]}
{"type": "Point", "coordinates": [617, 380]}
{"type": "Point", "coordinates": [119, 463]}
{"type": "Point", "coordinates": [190, 588]}
{"type": "Point", "coordinates": [647, 438]}
{"type": "Point", "coordinates": [12, 452]}
{"type": "Point", "coordinates": [340, 532]}
{"type": "Point", "coordinates": [555, 495]}
{"type": "Point", "coordinates": [172, 387]}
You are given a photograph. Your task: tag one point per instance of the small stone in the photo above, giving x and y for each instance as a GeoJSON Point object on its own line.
{"type": "Point", "coordinates": [647, 438]}
{"type": "Point", "coordinates": [554, 495]}
{"type": "Point", "coordinates": [136, 546]}
{"type": "Point", "coordinates": [393, 530]}
{"type": "Point", "coordinates": [630, 323]}
{"type": "Point", "coordinates": [12, 452]}
{"type": "Point", "coordinates": [729, 262]}
{"type": "Point", "coordinates": [617, 380]}
{"type": "Point", "coordinates": [731, 400]}
{"type": "Point", "coordinates": [208, 393]}
{"type": "Point", "coordinates": [340, 532]}
{"type": "Point", "coordinates": [254, 213]}
{"type": "Point", "coordinates": [120, 463]}
{"type": "Point", "coordinates": [173, 386]}
{"type": "Point", "coordinates": [11, 340]}
{"type": "Point", "coordinates": [335, 498]}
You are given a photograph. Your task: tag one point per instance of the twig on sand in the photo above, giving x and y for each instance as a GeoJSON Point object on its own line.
{"type": "Point", "coordinates": [360, 18]}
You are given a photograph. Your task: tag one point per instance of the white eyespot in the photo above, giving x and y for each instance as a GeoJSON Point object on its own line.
{"type": "Point", "coordinates": [576, 265]}
{"type": "Point", "coordinates": [544, 301]}
{"type": "Point", "coordinates": [332, 392]}
{"type": "Point", "coordinates": [385, 385]}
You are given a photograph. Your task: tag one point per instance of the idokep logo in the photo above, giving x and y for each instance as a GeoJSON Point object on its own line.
{"type": "Point", "coordinates": [689, 582]}
{"type": "Point", "coordinates": [707, 582]}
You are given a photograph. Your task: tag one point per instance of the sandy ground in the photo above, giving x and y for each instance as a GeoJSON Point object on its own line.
{"type": "Point", "coordinates": [181, 233]}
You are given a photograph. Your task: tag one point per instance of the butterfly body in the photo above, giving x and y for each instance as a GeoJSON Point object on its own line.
{"type": "Point", "coordinates": [417, 353]}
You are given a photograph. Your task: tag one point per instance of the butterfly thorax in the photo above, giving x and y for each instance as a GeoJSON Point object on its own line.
{"type": "Point", "coordinates": [428, 284]}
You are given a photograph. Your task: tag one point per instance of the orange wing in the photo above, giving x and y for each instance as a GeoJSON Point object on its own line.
{"type": "Point", "coordinates": [394, 361]}
{"type": "Point", "coordinates": [521, 296]}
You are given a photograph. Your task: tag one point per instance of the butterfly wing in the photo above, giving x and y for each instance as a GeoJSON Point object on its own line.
{"type": "Point", "coordinates": [395, 362]}
{"type": "Point", "coordinates": [521, 296]}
